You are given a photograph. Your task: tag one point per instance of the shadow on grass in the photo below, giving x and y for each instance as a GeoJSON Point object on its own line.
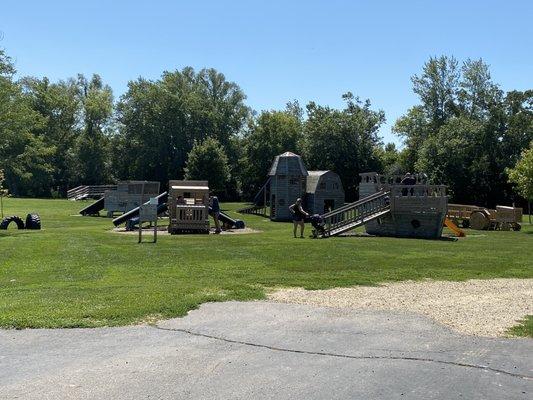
{"type": "Point", "coordinates": [365, 235]}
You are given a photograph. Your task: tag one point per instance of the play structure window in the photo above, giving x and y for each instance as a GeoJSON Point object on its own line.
{"type": "Point", "coordinates": [281, 202]}
{"type": "Point", "coordinates": [415, 223]}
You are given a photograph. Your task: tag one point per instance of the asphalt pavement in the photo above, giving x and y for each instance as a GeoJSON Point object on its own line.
{"type": "Point", "coordinates": [264, 350]}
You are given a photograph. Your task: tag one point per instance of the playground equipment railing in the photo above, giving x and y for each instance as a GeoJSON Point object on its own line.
{"type": "Point", "coordinates": [88, 191]}
{"type": "Point", "coordinates": [354, 214]}
{"type": "Point", "coordinates": [255, 210]}
{"type": "Point", "coordinates": [422, 198]}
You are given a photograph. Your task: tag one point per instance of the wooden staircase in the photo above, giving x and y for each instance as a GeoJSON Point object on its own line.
{"type": "Point", "coordinates": [353, 215]}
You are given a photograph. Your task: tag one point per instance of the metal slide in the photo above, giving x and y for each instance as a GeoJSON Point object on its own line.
{"type": "Point", "coordinates": [94, 208]}
{"type": "Point", "coordinates": [134, 212]}
{"type": "Point", "coordinates": [228, 221]}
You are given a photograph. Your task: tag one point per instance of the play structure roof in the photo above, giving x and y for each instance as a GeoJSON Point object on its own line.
{"type": "Point", "coordinates": [286, 163]}
{"type": "Point", "coordinates": [313, 179]}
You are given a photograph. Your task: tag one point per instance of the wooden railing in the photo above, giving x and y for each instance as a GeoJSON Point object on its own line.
{"type": "Point", "coordinates": [255, 210]}
{"type": "Point", "coordinates": [88, 191]}
{"type": "Point", "coordinates": [354, 214]}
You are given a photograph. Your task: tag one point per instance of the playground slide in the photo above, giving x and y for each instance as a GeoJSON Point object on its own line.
{"type": "Point", "coordinates": [227, 220]}
{"type": "Point", "coordinates": [93, 208]}
{"type": "Point", "coordinates": [161, 199]}
{"type": "Point", "coordinates": [454, 228]}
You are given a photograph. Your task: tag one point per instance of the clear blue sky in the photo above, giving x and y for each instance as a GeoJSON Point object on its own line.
{"type": "Point", "coordinates": [275, 50]}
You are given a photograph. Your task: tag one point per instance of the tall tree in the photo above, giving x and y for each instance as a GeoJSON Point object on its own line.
{"type": "Point", "coordinates": [465, 132]}
{"type": "Point", "coordinates": [23, 156]}
{"type": "Point", "coordinates": [208, 161]}
{"type": "Point", "coordinates": [161, 120]}
{"type": "Point", "coordinates": [521, 175]}
{"type": "Point", "coordinates": [344, 140]}
{"type": "Point", "coordinates": [92, 150]}
{"type": "Point", "coordinates": [59, 106]}
{"type": "Point", "coordinates": [272, 133]}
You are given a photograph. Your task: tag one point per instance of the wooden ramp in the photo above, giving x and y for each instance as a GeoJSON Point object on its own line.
{"type": "Point", "coordinates": [254, 209]}
{"type": "Point", "coordinates": [353, 215]}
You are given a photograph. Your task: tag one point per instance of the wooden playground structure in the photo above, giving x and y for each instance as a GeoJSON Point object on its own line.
{"type": "Point", "coordinates": [288, 179]}
{"type": "Point", "coordinates": [188, 207]}
{"type": "Point", "coordinates": [480, 218]}
{"type": "Point", "coordinates": [128, 195]}
{"type": "Point", "coordinates": [389, 208]}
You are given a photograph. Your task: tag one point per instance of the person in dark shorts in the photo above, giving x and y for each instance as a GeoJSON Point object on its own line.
{"type": "Point", "coordinates": [298, 217]}
{"type": "Point", "coordinates": [215, 207]}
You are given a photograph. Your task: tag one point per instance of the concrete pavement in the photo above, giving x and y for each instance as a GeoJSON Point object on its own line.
{"type": "Point", "coordinates": [263, 350]}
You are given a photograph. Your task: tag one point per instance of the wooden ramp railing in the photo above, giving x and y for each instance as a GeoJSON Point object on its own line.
{"type": "Point", "coordinates": [88, 191]}
{"type": "Point", "coordinates": [352, 215]}
{"type": "Point", "coordinates": [255, 210]}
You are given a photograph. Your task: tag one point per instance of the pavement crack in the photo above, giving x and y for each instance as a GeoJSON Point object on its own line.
{"type": "Point", "coordinates": [347, 356]}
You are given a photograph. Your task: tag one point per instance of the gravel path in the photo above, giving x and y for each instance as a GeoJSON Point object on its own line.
{"type": "Point", "coordinates": [475, 307]}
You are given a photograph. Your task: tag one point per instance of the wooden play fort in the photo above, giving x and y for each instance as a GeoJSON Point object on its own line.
{"type": "Point", "coordinates": [188, 207]}
{"type": "Point", "coordinates": [123, 197]}
{"type": "Point", "coordinates": [288, 179]}
{"type": "Point", "coordinates": [389, 208]}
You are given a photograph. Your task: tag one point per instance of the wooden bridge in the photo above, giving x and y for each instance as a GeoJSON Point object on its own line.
{"type": "Point", "coordinates": [89, 191]}
{"type": "Point", "coordinates": [255, 210]}
{"type": "Point", "coordinates": [353, 215]}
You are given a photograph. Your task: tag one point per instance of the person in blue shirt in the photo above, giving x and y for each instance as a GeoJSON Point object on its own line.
{"type": "Point", "coordinates": [215, 208]}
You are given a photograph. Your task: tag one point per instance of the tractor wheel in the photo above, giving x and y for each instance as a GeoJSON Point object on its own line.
{"type": "Point", "coordinates": [505, 226]}
{"type": "Point", "coordinates": [479, 221]}
{"type": "Point", "coordinates": [517, 226]}
{"type": "Point", "coordinates": [7, 220]}
{"type": "Point", "coordinates": [33, 221]}
{"type": "Point", "coordinates": [466, 223]}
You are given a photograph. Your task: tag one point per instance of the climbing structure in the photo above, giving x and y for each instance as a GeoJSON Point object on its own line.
{"type": "Point", "coordinates": [288, 180]}
{"type": "Point", "coordinates": [353, 215]}
{"type": "Point", "coordinates": [389, 208]}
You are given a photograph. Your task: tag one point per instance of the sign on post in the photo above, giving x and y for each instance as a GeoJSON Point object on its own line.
{"type": "Point", "coordinates": [148, 213]}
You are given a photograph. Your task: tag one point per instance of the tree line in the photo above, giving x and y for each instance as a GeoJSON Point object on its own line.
{"type": "Point", "coordinates": [465, 132]}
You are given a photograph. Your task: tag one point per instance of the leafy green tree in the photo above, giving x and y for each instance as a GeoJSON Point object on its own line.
{"type": "Point", "coordinates": [521, 175]}
{"type": "Point", "coordinates": [208, 161]}
{"type": "Point", "coordinates": [344, 141]}
{"type": "Point", "coordinates": [465, 132]}
{"type": "Point", "coordinates": [270, 134]}
{"type": "Point", "coordinates": [23, 157]}
{"type": "Point", "coordinates": [437, 87]}
{"type": "Point", "coordinates": [93, 144]}
{"type": "Point", "coordinates": [59, 107]}
{"type": "Point", "coordinates": [390, 159]}
{"type": "Point", "coordinates": [161, 120]}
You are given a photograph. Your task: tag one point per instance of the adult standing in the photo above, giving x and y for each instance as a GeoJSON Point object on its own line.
{"type": "Point", "coordinates": [298, 217]}
{"type": "Point", "coordinates": [215, 209]}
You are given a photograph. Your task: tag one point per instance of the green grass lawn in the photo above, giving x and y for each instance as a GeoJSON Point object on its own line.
{"type": "Point", "coordinates": [76, 273]}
